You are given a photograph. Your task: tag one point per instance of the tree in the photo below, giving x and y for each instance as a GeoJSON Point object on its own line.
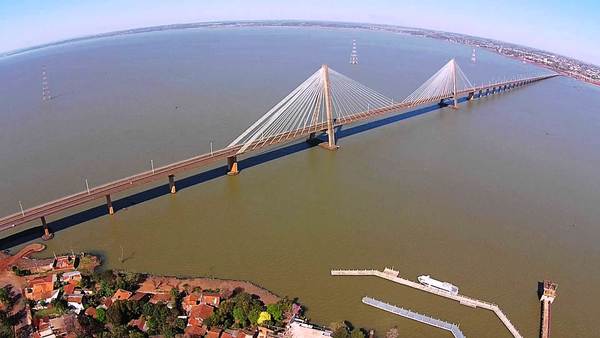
{"type": "Point", "coordinates": [240, 316]}
{"type": "Point", "coordinates": [162, 320]}
{"type": "Point", "coordinates": [357, 333]}
{"type": "Point", "coordinates": [101, 315]}
{"type": "Point", "coordinates": [276, 311]}
{"type": "Point", "coordinates": [5, 297]}
{"type": "Point", "coordinates": [60, 304]}
{"type": "Point", "coordinates": [89, 325]}
{"type": "Point", "coordinates": [127, 280]}
{"type": "Point", "coordinates": [340, 330]}
{"type": "Point", "coordinates": [263, 317]}
{"type": "Point", "coordinates": [115, 314]}
{"type": "Point", "coordinates": [253, 315]}
{"type": "Point", "coordinates": [136, 334]}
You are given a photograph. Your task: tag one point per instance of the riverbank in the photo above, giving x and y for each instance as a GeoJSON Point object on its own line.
{"type": "Point", "coordinates": [66, 295]}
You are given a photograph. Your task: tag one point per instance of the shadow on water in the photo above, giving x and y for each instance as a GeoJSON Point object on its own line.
{"type": "Point", "coordinates": [152, 193]}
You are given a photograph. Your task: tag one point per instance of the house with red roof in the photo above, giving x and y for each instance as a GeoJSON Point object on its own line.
{"type": "Point", "coordinates": [199, 313]}
{"type": "Point", "coordinates": [91, 311]}
{"type": "Point", "coordinates": [121, 294]}
{"type": "Point", "coordinates": [69, 289]}
{"type": "Point", "coordinates": [190, 300]}
{"type": "Point", "coordinates": [213, 299]}
{"type": "Point", "coordinates": [195, 331]}
{"type": "Point", "coordinates": [41, 289]}
{"type": "Point", "coordinates": [214, 333]}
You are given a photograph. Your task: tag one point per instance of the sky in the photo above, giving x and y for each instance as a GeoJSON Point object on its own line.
{"type": "Point", "coordinates": [567, 27]}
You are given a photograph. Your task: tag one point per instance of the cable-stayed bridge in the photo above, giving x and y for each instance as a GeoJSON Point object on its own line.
{"type": "Point", "coordinates": [323, 102]}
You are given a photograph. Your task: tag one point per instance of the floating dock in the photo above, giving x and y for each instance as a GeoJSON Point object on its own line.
{"type": "Point", "coordinates": [393, 275]}
{"type": "Point", "coordinates": [453, 328]}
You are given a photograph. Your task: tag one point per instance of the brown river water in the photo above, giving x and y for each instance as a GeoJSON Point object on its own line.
{"type": "Point", "coordinates": [493, 197]}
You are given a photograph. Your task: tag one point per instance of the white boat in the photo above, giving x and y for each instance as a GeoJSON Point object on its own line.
{"type": "Point", "coordinates": [434, 283]}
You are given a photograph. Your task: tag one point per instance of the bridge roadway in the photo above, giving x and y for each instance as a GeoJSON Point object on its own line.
{"type": "Point", "coordinates": [104, 191]}
{"type": "Point", "coordinates": [393, 275]}
{"type": "Point", "coordinates": [452, 328]}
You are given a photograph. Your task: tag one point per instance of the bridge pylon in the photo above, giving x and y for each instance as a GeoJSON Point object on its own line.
{"type": "Point", "coordinates": [328, 110]}
{"type": "Point", "coordinates": [446, 84]}
{"type": "Point", "coordinates": [454, 96]}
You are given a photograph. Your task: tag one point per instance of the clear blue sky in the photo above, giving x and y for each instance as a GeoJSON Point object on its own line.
{"type": "Point", "coordinates": [568, 27]}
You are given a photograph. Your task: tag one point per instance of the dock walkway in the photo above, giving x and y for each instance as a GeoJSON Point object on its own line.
{"type": "Point", "coordinates": [393, 275]}
{"type": "Point", "coordinates": [453, 328]}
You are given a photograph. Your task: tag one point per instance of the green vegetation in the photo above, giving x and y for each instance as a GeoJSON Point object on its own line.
{"type": "Point", "coordinates": [108, 282]}
{"type": "Point", "coordinates": [234, 311]}
{"type": "Point", "coordinates": [8, 319]}
{"type": "Point", "coordinates": [101, 315]}
{"type": "Point", "coordinates": [20, 272]}
{"type": "Point", "coordinates": [346, 330]}
{"type": "Point", "coordinates": [244, 310]}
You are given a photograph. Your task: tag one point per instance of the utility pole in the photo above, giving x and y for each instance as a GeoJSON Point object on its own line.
{"type": "Point", "coordinates": [87, 186]}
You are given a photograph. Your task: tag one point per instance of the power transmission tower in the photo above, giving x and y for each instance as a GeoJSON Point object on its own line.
{"type": "Point", "coordinates": [45, 86]}
{"type": "Point", "coordinates": [353, 54]}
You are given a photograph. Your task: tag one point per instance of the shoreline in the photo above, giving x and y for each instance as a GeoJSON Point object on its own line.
{"type": "Point", "coordinates": [69, 293]}
{"type": "Point", "coordinates": [469, 40]}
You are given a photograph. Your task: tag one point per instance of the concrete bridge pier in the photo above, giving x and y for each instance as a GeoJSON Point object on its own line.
{"type": "Point", "coordinates": [312, 139]}
{"type": "Point", "coordinates": [109, 205]}
{"type": "Point", "coordinates": [47, 234]}
{"type": "Point", "coordinates": [172, 187]}
{"type": "Point", "coordinates": [232, 166]}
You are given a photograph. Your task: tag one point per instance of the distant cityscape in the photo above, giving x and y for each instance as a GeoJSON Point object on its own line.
{"type": "Point", "coordinates": [561, 64]}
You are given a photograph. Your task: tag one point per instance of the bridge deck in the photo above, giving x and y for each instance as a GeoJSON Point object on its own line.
{"type": "Point", "coordinates": [99, 192]}
{"type": "Point", "coordinates": [392, 275]}
{"type": "Point", "coordinates": [453, 328]}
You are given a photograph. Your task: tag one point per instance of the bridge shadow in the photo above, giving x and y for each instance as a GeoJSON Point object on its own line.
{"type": "Point", "coordinates": [66, 222]}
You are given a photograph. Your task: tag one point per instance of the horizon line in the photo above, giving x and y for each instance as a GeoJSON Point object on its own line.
{"type": "Point", "coordinates": [174, 26]}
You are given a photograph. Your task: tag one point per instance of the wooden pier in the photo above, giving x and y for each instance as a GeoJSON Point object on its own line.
{"type": "Point", "coordinates": [393, 275]}
{"type": "Point", "coordinates": [453, 328]}
{"type": "Point", "coordinates": [547, 298]}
